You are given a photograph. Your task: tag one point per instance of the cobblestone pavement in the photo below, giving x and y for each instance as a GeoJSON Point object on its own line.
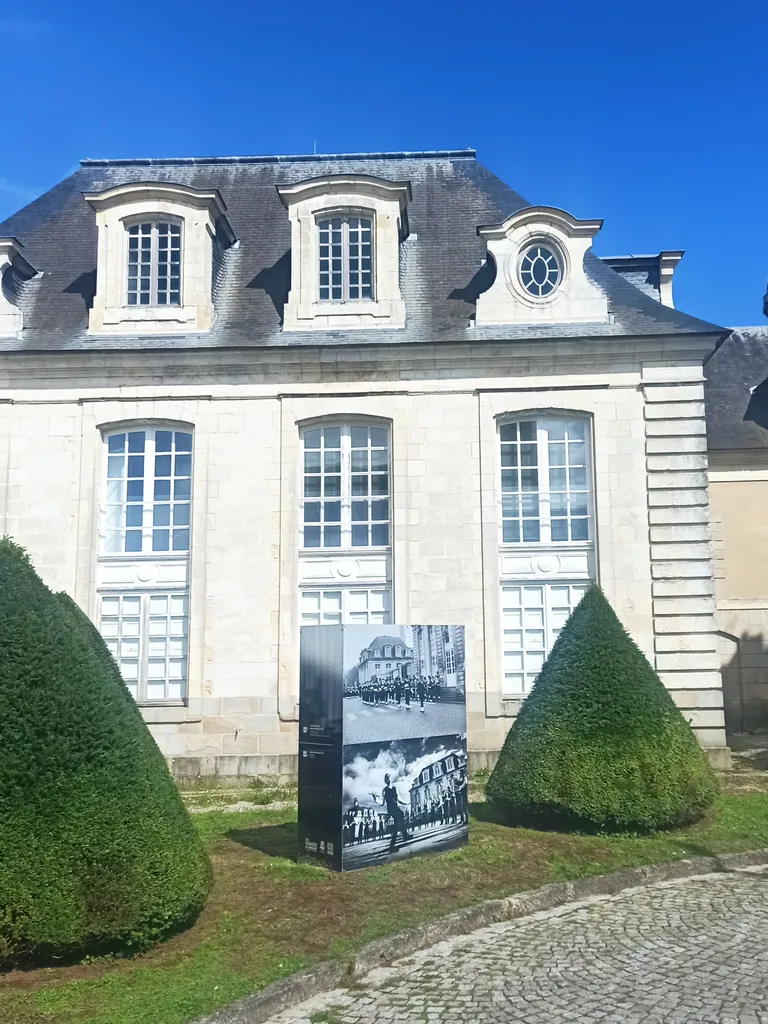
{"type": "Point", "coordinates": [686, 952]}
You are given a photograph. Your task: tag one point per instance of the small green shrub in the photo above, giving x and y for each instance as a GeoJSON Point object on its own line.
{"type": "Point", "coordinates": [599, 743]}
{"type": "Point", "coordinates": [97, 852]}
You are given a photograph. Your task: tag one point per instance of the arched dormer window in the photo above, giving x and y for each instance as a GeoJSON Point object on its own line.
{"type": "Point", "coordinates": [540, 278]}
{"type": "Point", "coordinates": [156, 257]}
{"type": "Point", "coordinates": [345, 257]}
{"type": "Point", "coordinates": [154, 262]}
{"type": "Point", "coordinates": [345, 236]}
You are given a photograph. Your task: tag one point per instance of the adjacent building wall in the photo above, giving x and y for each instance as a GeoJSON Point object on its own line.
{"type": "Point", "coordinates": [739, 498]}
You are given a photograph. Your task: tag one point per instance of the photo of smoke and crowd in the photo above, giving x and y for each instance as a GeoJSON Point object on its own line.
{"type": "Point", "coordinates": [404, 797]}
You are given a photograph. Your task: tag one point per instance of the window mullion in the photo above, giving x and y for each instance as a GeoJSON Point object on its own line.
{"type": "Point", "coordinates": [153, 275]}
{"type": "Point", "coordinates": [143, 655]}
{"type": "Point", "coordinates": [345, 260]}
{"type": "Point", "coordinates": [542, 438]}
{"type": "Point", "coordinates": [346, 486]}
{"type": "Point", "coordinates": [149, 494]}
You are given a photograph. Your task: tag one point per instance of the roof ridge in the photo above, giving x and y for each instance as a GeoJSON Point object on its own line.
{"type": "Point", "coordinates": [424, 154]}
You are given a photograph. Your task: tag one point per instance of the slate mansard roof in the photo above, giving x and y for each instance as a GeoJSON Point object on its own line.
{"type": "Point", "coordinates": [441, 261]}
{"type": "Point", "coordinates": [736, 392]}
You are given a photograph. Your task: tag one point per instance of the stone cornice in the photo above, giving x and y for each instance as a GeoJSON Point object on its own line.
{"type": "Point", "coordinates": [541, 216]}
{"type": "Point", "coordinates": [356, 184]}
{"type": "Point", "coordinates": [165, 192]}
{"type": "Point", "coordinates": [493, 363]}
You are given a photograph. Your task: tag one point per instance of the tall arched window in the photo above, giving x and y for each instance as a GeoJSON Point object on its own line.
{"type": "Point", "coordinates": [546, 543]}
{"type": "Point", "coordinates": [144, 557]}
{"type": "Point", "coordinates": [345, 510]}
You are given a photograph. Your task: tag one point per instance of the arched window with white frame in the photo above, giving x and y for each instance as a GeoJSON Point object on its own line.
{"type": "Point", "coordinates": [345, 516]}
{"type": "Point", "coordinates": [547, 536]}
{"type": "Point", "coordinates": [143, 561]}
{"type": "Point", "coordinates": [154, 261]}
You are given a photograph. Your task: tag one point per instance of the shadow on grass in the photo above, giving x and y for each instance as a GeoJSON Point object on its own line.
{"type": "Point", "coordinates": [273, 840]}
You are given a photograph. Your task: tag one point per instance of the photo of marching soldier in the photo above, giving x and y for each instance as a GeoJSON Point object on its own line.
{"type": "Point", "coordinates": [402, 682]}
{"type": "Point", "coordinates": [403, 798]}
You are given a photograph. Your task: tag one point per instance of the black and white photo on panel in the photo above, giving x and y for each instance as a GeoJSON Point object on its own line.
{"type": "Point", "coordinates": [402, 682]}
{"type": "Point", "coordinates": [403, 798]}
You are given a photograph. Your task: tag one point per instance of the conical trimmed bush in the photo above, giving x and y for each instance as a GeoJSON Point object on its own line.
{"type": "Point", "coordinates": [97, 851]}
{"type": "Point", "coordinates": [599, 743]}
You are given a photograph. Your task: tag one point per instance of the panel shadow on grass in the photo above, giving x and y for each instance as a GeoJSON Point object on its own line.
{"type": "Point", "coordinates": [273, 840]}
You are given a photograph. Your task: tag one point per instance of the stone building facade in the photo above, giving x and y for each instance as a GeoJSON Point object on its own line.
{"type": "Point", "coordinates": [241, 395]}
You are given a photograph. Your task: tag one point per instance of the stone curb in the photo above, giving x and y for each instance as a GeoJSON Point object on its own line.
{"type": "Point", "coordinates": [282, 995]}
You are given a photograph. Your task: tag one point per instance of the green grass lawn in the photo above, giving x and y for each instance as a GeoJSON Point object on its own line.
{"type": "Point", "coordinates": [269, 916]}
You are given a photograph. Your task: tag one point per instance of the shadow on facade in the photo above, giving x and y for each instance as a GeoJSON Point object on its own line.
{"type": "Point", "coordinates": [744, 667]}
{"type": "Point", "coordinates": [85, 287]}
{"type": "Point", "coordinates": [757, 410]}
{"type": "Point", "coordinates": [480, 283]}
{"type": "Point", "coordinates": [276, 282]}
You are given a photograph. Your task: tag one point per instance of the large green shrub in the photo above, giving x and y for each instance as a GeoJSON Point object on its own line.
{"type": "Point", "coordinates": [97, 851]}
{"type": "Point", "coordinates": [599, 742]}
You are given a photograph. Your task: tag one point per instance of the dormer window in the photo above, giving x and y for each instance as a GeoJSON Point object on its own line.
{"type": "Point", "coordinates": [345, 258]}
{"type": "Point", "coordinates": [154, 264]}
{"type": "Point", "coordinates": [346, 232]}
{"type": "Point", "coordinates": [156, 257]}
{"type": "Point", "coordinates": [538, 254]}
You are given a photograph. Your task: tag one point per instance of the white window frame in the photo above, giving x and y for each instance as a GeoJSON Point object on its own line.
{"type": "Point", "coordinates": [544, 423]}
{"type": "Point", "coordinates": [343, 605]}
{"type": "Point", "coordinates": [140, 574]}
{"type": "Point", "coordinates": [345, 215]}
{"type": "Point", "coordinates": [147, 642]}
{"type": "Point", "coordinates": [154, 264]}
{"type": "Point", "coordinates": [346, 498]}
{"type": "Point", "coordinates": [148, 502]}
{"type": "Point", "coordinates": [537, 633]}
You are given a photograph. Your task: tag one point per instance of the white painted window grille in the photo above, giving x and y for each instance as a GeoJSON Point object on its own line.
{"type": "Point", "coordinates": [450, 764]}
{"type": "Point", "coordinates": [540, 271]}
{"type": "Point", "coordinates": [450, 661]}
{"type": "Point", "coordinates": [545, 481]}
{"type": "Point", "coordinates": [154, 264]}
{"type": "Point", "coordinates": [148, 637]}
{"type": "Point", "coordinates": [345, 258]}
{"type": "Point", "coordinates": [362, 606]}
{"type": "Point", "coordinates": [437, 770]}
{"type": "Point", "coordinates": [532, 617]}
{"type": "Point", "coordinates": [148, 492]}
{"type": "Point", "coordinates": [346, 487]}
{"type": "Point", "coordinates": [425, 775]}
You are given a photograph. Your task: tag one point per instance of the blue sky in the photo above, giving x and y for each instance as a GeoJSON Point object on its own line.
{"type": "Point", "coordinates": [652, 116]}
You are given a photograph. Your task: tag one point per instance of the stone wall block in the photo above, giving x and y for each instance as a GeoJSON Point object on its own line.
{"type": "Point", "coordinates": [669, 444]}
{"type": "Point", "coordinates": [685, 623]}
{"type": "Point", "coordinates": [678, 532]}
{"type": "Point", "coordinates": [683, 606]}
{"type": "Point", "coordinates": [674, 410]}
